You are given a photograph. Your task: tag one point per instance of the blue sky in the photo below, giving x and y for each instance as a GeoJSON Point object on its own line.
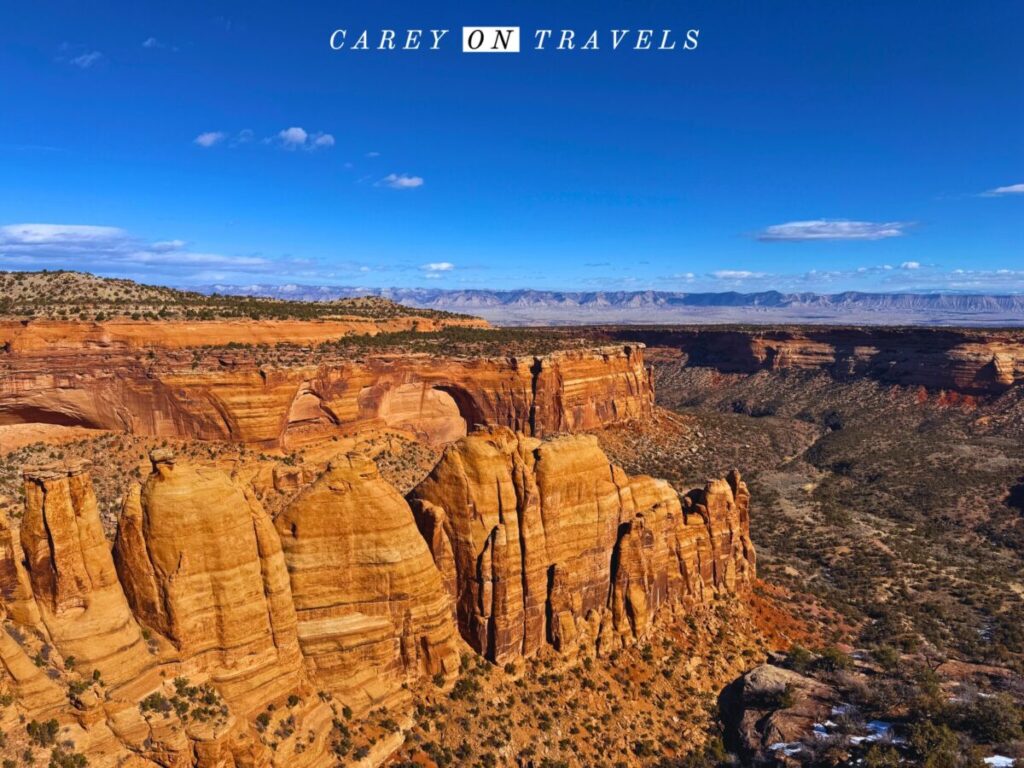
{"type": "Point", "coordinates": [816, 145]}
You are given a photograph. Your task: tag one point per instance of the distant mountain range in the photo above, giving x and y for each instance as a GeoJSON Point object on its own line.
{"type": "Point", "coordinates": [565, 307]}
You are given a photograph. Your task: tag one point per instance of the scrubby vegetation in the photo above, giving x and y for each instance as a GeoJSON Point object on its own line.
{"type": "Point", "coordinates": [891, 505]}
{"type": "Point", "coordinates": [911, 712]}
{"type": "Point", "coordinates": [80, 296]}
{"type": "Point", "coordinates": [648, 705]}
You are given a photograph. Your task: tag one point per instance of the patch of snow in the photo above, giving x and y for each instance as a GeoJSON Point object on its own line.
{"type": "Point", "coordinates": [1000, 761]}
{"type": "Point", "coordinates": [788, 748]}
{"type": "Point", "coordinates": [879, 730]}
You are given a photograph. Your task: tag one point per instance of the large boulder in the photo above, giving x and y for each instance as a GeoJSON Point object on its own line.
{"type": "Point", "coordinates": [771, 706]}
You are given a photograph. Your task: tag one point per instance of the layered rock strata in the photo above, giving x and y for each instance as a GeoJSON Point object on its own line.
{"type": "Point", "coordinates": [74, 650]}
{"type": "Point", "coordinates": [165, 393]}
{"type": "Point", "coordinates": [966, 361]}
{"type": "Point", "coordinates": [214, 636]}
{"type": "Point", "coordinates": [201, 564]}
{"type": "Point", "coordinates": [73, 578]}
{"type": "Point", "coordinates": [372, 611]}
{"type": "Point", "coordinates": [548, 543]}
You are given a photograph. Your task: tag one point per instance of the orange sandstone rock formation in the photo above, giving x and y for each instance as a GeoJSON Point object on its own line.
{"type": "Point", "coordinates": [123, 334]}
{"type": "Point", "coordinates": [202, 565]}
{"type": "Point", "coordinates": [163, 393]}
{"type": "Point", "coordinates": [372, 612]}
{"type": "Point", "coordinates": [208, 616]}
{"type": "Point", "coordinates": [105, 668]}
{"type": "Point", "coordinates": [73, 577]}
{"type": "Point", "coordinates": [547, 542]}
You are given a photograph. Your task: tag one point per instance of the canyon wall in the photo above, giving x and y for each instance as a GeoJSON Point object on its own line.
{"type": "Point", "coordinates": [234, 397]}
{"type": "Point", "coordinates": [971, 362]}
{"type": "Point", "coordinates": [215, 636]}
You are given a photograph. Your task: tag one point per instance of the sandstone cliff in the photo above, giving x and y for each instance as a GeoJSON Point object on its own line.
{"type": "Point", "coordinates": [76, 653]}
{"type": "Point", "coordinates": [72, 574]}
{"type": "Point", "coordinates": [971, 362]}
{"type": "Point", "coordinates": [372, 613]}
{"type": "Point", "coordinates": [25, 336]}
{"type": "Point", "coordinates": [548, 543]}
{"type": "Point", "coordinates": [201, 564]}
{"type": "Point", "coordinates": [437, 399]}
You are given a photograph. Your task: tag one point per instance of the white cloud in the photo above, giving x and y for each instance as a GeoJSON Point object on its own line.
{"type": "Point", "coordinates": [736, 274]}
{"type": "Point", "coordinates": [435, 268]}
{"type": "Point", "coordinates": [832, 229]}
{"type": "Point", "coordinates": [910, 265]}
{"type": "Point", "coordinates": [1012, 189]}
{"type": "Point", "coordinates": [297, 137]}
{"type": "Point", "coordinates": [153, 44]}
{"type": "Point", "coordinates": [373, 154]}
{"type": "Point", "coordinates": [87, 60]}
{"type": "Point", "coordinates": [400, 181]}
{"type": "Point", "coordinates": [293, 137]}
{"type": "Point", "coordinates": [210, 138]}
{"type": "Point", "coordinates": [168, 245]}
{"type": "Point", "coordinates": [14, 235]}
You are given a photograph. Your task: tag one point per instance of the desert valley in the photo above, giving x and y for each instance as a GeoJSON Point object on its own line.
{"type": "Point", "coordinates": [239, 531]}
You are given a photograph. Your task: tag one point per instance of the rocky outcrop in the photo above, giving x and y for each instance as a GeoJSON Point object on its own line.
{"type": "Point", "coordinates": [548, 543]}
{"type": "Point", "coordinates": [372, 611]}
{"type": "Point", "coordinates": [168, 394]}
{"type": "Point", "coordinates": [201, 564]}
{"type": "Point", "coordinates": [966, 361]}
{"type": "Point", "coordinates": [100, 665]}
{"type": "Point", "coordinates": [72, 575]}
{"type": "Point", "coordinates": [770, 708]}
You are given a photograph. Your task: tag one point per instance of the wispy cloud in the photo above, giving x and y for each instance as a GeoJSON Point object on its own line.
{"type": "Point", "coordinates": [153, 43]}
{"type": "Point", "coordinates": [436, 269]}
{"type": "Point", "coordinates": [400, 181]}
{"type": "Point", "coordinates": [1012, 189]}
{"type": "Point", "coordinates": [79, 56]}
{"type": "Point", "coordinates": [910, 265]}
{"type": "Point", "coordinates": [737, 274]}
{"type": "Point", "coordinates": [293, 138]}
{"type": "Point", "coordinates": [86, 60]}
{"type": "Point", "coordinates": [833, 229]}
{"type": "Point", "coordinates": [168, 245]}
{"type": "Point", "coordinates": [209, 138]}
{"type": "Point", "coordinates": [84, 246]}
